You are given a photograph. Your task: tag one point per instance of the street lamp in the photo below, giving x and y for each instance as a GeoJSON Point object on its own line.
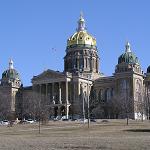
{"type": "Point", "coordinates": [88, 103]}
{"type": "Point", "coordinates": [83, 104]}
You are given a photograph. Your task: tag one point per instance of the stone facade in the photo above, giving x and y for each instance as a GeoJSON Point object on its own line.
{"type": "Point", "coordinates": [81, 87]}
{"type": "Point", "coordinates": [10, 84]}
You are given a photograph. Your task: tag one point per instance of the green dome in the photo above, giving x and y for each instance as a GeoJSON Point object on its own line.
{"type": "Point", "coordinates": [128, 56]}
{"type": "Point", "coordinates": [10, 74]}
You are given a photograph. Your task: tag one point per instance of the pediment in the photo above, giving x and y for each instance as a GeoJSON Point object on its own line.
{"type": "Point", "coordinates": [49, 74]}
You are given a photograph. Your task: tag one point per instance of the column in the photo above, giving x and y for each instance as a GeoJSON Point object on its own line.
{"type": "Point", "coordinates": [60, 101]}
{"type": "Point", "coordinates": [40, 95]}
{"type": "Point", "coordinates": [84, 63]}
{"type": "Point", "coordinates": [67, 103]}
{"type": "Point", "coordinates": [59, 111]}
{"type": "Point", "coordinates": [40, 90]}
{"type": "Point", "coordinates": [78, 67]}
{"type": "Point", "coordinates": [66, 91]}
{"type": "Point", "coordinates": [67, 111]}
{"type": "Point", "coordinates": [91, 64]}
{"type": "Point", "coordinates": [46, 90]}
{"type": "Point", "coordinates": [53, 97]}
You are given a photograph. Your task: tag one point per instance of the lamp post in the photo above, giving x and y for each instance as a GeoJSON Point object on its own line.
{"type": "Point", "coordinates": [83, 105]}
{"type": "Point", "coordinates": [83, 96]}
{"type": "Point", "coordinates": [88, 103]}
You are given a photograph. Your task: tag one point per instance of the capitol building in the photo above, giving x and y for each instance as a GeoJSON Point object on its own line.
{"type": "Point", "coordinates": [81, 87]}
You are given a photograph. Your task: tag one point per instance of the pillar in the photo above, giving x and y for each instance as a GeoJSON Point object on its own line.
{"type": "Point", "coordinates": [46, 90]}
{"type": "Point", "coordinates": [84, 66]}
{"type": "Point", "coordinates": [67, 103]}
{"type": "Point", "coordinates": [40, 90]}
{"type": "Point", "coordinates": [40, 95]}
{"type": "Point", "coordinates": [60, 101]}
{"type": "Point", "coordinates": [66, 91]}
{"type": "Point", "coordinates": [53, 97]}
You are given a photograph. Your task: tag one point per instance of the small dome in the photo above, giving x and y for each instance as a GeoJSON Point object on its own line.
{"type": "Point", "coordinates": [10, 74]}
{"type": "Point", "coordinates": [81, 37]}
{"type": "Point", "coordinates": [128, 56]}
{"type": "Point", "coordinates": [148, 69]}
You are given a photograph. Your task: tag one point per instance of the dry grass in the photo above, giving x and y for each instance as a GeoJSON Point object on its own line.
{"type": "Point", "coordinates": [114, 135]}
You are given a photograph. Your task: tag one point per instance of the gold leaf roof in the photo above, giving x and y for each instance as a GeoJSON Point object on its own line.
{"type": "Point", "coordinates": [81, 37]}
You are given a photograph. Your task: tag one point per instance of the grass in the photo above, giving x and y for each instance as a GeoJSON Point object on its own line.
{"type": "Point", "coordinates": [113, 135]}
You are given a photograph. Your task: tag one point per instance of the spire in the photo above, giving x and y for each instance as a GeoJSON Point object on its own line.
{"type": "Point", "coordinates": [128, 47]}
{"type": "Point", "coordinates": [11, 66]}
{"type": "Point", "coordinates": [81, 23]}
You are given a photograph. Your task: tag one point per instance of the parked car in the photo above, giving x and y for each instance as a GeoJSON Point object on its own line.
{"type": "Point", "coordinates": [83, 120]}
{"type": "Point", "coordinates": [30, 121]}
{"type": "Point", "coordinates": [58, 117]}
{"type": "Point", "coordinates": [13, 122]}
{"type": "Point", "coordinates": [5, 122]}
{"type": "Point", "coordinates": [23, 122]}
{"type": "Point", "coordinates": [64, 118]}
{"type": "Point", "coordinates": [92, 120]}
{"type": "Point", "coordinates": [1, 122]}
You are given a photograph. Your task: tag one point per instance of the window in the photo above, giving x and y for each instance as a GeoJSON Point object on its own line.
{"type": "Point", "coordinates": [100, 95]}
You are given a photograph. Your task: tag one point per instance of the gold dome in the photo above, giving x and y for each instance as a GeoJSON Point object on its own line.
{"type": "Point", "coordinates": [81, 37]}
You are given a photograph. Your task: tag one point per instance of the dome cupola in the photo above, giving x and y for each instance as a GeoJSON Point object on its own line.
{"type": "Point", "coordinates": [81, 51]}
{"type": "Point", "coordinates": [128, 62]}
{"type": "Point", "coordinates": [81, 37]}
{"type": "Point", "coordinates": [128, 57]}
{"type": "Point", "coordinates": [11, 75]}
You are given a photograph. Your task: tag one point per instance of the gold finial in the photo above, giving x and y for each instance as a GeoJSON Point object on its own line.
{"type": "Point", "coordinates": [81, 16]}
{"type": "Point", "coordinates": [81, 23]}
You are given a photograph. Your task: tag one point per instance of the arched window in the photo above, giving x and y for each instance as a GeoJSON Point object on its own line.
{"type": "Point", "coordinates": [100, 95]}
{"type": "Point", "coordinates": [85, 96]}
{"type": "Point", "coordinates": [76, 64]}
{"type": "Point", "coordinates": [112, 92]}
{"type": "Point", "coordinates": [138, 86]}
{"type": "Point", "coordinates": [94, 94]}
{"type": "Point", "coordinates": [108, 94]}
{"type": "Point", "coordinates": [105, 95]}
{"type": "Point", "coordinates": [86, 62]}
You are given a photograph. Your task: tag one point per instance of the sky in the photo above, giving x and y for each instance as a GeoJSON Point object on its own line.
{"type": "Point", "coordinates": [34, 33]}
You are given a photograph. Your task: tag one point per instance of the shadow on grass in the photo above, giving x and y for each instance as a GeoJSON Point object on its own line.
{"type": "Point", "coordinates": [138, 130]}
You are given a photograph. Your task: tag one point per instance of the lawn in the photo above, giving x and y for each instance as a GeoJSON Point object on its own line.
{"type": "Point", "coordinates": [111, 135]}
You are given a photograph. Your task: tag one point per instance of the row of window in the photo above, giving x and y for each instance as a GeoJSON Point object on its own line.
{"type": "Point", "coordinates": [103, 95]}
{"type": "Point", "coordinates": [81, 63]}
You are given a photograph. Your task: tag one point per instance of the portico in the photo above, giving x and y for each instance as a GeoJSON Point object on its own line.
{"type": "Point", "coordinates": [53, 88]}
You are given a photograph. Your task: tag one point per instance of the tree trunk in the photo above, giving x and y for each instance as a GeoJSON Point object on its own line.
{"type": "Point", "coordinates": [127, 120]}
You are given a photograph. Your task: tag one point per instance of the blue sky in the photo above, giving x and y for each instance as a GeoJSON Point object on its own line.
{"type": "Point", "coordinates": [34, 32]}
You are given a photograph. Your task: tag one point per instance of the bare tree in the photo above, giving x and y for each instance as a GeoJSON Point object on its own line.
{"type": "Point", "coordinates": [116, 106]}
{"type": "Point", "coordinates": [5, 106]}
{"type": "Point", "coordinates": [122, 106]}
{"type": "Point", "coordinates": [140, 106]}
{"type": "Point", "coordinates": [147, 103]}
